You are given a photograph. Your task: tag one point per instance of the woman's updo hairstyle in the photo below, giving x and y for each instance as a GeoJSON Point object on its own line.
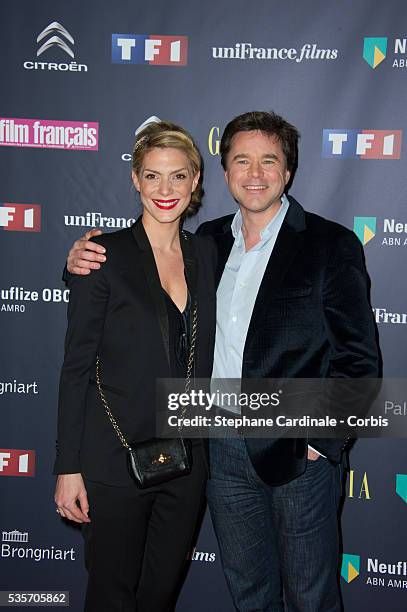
{"type": "Point", "coordinates": [169, 135]}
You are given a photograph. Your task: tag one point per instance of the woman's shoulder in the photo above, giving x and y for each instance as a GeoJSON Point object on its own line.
{"type": "Point", "coordinates": [114, 239]}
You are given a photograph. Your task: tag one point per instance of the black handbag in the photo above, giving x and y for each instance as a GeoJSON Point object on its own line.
{"type": "Point", "coordinates": [156, 461]}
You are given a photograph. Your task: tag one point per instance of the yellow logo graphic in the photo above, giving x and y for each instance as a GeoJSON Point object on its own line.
{"type": "Point", "coordinates": [350, 567]}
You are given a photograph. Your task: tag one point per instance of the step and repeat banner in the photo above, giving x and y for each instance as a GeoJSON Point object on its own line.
{"type": "Point", "coordinates": [78, 78]}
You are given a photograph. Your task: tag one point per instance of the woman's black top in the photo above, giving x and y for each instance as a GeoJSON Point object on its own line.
{"type": "Point", "coordinates": [178, 326]}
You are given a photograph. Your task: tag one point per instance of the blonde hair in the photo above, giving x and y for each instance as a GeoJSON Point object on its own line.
{"type": "Point", "coordinates": [169, 135]}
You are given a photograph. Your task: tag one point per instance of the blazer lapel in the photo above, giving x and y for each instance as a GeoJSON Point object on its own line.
{"type": "Point", "coordinates": [224, 242]}
{"type": "Point", "coordinates": [191, 269]}
{"type": "Point", "coordinates": [289, 241]}
{"type": "Point", "coordinates": [153, 282]}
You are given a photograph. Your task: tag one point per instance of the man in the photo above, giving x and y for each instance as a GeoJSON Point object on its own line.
{"type": "Point", "coordinates": [292, 303]}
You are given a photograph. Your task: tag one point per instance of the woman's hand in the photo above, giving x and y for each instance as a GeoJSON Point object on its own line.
{"type": "Point", "coordinates": [69, 492]}
{"type": "Point", "coordinates": [85, 256]}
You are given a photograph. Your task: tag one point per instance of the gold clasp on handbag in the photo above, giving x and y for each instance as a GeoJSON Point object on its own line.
{"type": "Point", "coordinates": [161, 459]}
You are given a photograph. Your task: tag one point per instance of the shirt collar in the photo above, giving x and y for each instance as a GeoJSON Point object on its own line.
{"type": "Point", "coordinates": [268, 231]}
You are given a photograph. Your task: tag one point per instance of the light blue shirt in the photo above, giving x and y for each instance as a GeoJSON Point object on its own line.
{"type": "Point", "coordinates": [237, 293]}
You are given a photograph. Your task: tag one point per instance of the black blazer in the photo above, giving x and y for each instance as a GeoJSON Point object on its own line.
{"type": "Point", "coordinates": [311, 319]}
{"type": "Point", "coordinates": [119, 312]}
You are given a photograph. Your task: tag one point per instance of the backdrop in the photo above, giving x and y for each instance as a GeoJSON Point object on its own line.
{"type": "Point", "coordinates": [78, 78]}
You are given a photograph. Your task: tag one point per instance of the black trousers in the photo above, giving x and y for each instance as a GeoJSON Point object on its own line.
{"type": "Point", "coordinates": [137, 543]}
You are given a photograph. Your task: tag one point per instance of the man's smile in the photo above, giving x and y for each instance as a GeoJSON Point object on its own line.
{"type": "Point", "coordinates": [255, 187]}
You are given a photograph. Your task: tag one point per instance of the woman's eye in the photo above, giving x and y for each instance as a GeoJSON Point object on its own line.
{"type": "Point", "coordinates": [180, 177]}
{"type": "Point", "coordinates": [150, 176]}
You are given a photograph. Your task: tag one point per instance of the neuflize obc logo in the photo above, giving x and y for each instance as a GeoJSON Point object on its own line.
{"type": "Point", "coordinates": [401, 486]}
{"type": "Point", "coordinates": [350, 567]}
{"type": "Point", "coordinates": [157, 50]}
{"type": "Point", "coordinates": [374, 50]}
{"type": "Point", "coordinates": [361, 144]}
{"type": "Point", "coordinates": [364, 228]}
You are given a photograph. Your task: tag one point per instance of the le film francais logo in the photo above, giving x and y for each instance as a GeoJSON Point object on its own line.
{"type": "Point", "coordinates": [374, 51]}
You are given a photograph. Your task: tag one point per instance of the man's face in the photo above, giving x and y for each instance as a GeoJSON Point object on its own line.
{"type": "Point", "coordinates": [256, 171]}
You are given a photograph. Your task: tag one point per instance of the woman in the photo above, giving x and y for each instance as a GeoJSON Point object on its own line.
{"type": "Point", "coordinates": [134, 317]}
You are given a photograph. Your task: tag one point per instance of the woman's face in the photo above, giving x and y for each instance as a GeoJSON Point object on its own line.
{"type": "Point", "coordinates": [165, 183]}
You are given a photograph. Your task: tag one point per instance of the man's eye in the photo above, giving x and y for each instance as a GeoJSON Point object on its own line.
{"type": "Point", "coordinates": [242, 161]}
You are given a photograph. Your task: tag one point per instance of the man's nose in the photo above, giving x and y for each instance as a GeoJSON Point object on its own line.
{"type": "Point", "coordinates": [256, 169]}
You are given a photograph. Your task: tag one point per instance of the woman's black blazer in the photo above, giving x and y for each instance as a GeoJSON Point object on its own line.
{"type": "Point", "coordinates": [119, 313]}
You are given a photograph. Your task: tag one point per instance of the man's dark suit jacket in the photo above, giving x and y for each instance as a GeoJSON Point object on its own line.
{"type": "Point", "coordinates": [119, 313]}
{"type": "Point", "coordinates": [311, 319]}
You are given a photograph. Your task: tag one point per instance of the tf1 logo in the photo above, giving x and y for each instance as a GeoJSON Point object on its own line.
{"type": "Point", "coordinates": [149, 49]}
{"type": "Point", "coordinates": [17, 462]}
{"type": "Point", "coordinates": [20, 217]}
{"type": "Point", "coordinates": [362, 144]}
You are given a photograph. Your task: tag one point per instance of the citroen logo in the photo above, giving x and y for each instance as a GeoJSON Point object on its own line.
{"type": "Point", "coordinates": [55, 30]}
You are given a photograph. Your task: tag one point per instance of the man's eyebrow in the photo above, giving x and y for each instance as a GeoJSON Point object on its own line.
{"type": "Point", "coordinates": [240, 155]}
{"type": "Point", "coordinates": [246, 155]}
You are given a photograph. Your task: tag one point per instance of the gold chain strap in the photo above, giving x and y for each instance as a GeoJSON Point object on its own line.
{"type": "Point", "coordinates": [190, 364]}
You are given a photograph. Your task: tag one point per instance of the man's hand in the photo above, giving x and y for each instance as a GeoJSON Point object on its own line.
{"type": "Point", "coordinates": [85, 256]}
{"type": "Point", "coordinates": [70, 489]}
{"type": "Point", "coordinates": [313, 455]}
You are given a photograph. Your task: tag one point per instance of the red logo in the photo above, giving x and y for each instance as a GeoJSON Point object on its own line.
{"type": "Point", "coordinates": [15, 462]}
{"type": "Point", "coordinates": [168, 50]}
{"type": "Point", "coordinates": [20, 217]}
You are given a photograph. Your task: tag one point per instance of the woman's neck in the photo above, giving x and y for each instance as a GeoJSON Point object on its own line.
{"type": "Point", "coordinates": [162, 236]}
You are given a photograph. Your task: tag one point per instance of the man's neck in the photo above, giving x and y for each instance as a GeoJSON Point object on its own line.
{"type": "Point", "coordinates": [254, 222]}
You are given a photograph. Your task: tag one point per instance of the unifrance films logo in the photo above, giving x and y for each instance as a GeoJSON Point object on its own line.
{"type": "Point", "coordinates": [98, 219]}
{"type": "Point", "coordinates": [20, 217]}
{"type": "Point", "coordinates": [361, 144]}
{"type": "Point", "coordinates": [374, 571]}
{"type": "Point", "coordinates": [249, 51]}
{"type": "Point", "coordinates": [155, 50]}
{"type": "Point", "coordinates": [54, 39]}
{"type": "Point", "coordinates": [49, 134]}
{"type": "Point", "coordinates": [16, 544]}
{"type": "Point", "coordinates": [377, 49]}
{"type": "Point", "coordinates": [15, 462]}
{"type": "Point", "coordinates": [390, 231]}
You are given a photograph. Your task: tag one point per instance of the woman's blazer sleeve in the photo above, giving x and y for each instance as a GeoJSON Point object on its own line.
{"type": "Point", "coordinates": [89, 296]}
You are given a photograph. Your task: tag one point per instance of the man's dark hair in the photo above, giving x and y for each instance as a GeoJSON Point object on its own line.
{"type": "Point", "coordinates": [270, 124]}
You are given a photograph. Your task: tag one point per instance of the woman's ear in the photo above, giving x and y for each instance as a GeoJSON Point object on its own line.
{"type": "Point", "coordinates": [195, 181]}
{"type": "Point", "coordinates": [135, 180]}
